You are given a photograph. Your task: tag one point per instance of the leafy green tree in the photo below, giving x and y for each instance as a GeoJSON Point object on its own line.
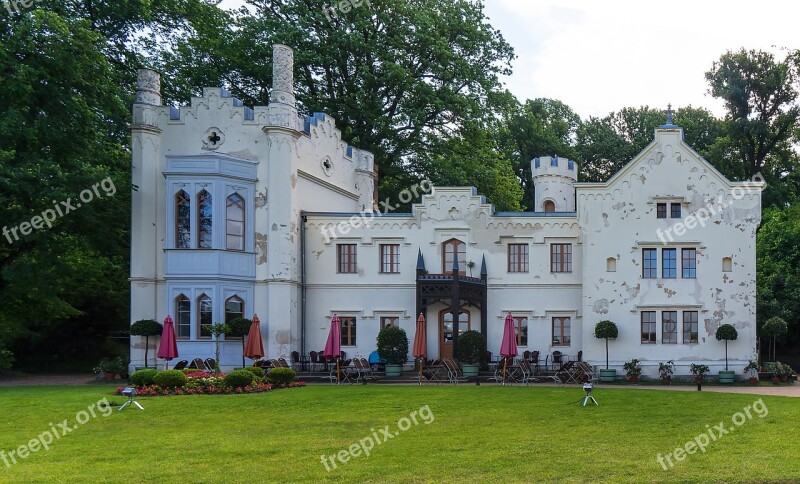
{"type": "Point", "coordinates": [240, 327]}
{"type": "Point", "coordinates": [726, 332]}
{"type": "Point", "coordinates": [777, 260]}
{"type": "Point", "coordinates": [400, 77]}
{"type": "Point", "coordinates": [761, 97]}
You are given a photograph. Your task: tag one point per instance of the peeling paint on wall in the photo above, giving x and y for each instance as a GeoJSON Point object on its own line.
{"type": "Point", "coordinates": [261, 248]}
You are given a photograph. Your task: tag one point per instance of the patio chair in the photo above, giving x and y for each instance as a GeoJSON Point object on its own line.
{"type": "Point", "coordinates": [526, 371]}
{"type": "Point", "coordinates": [314, 359]}
{"type": "Point", "coordinates": [535, 360]}
{"type": "Point", "coordinates": [283, 363]}
{"type": "Point", "coordinates": [211, 364]}
{"type": "Point", "coordinates": [180, 365]}
{"type": "Point", "coordinates": [556, 360]}
{"type": "Point", "coordinates": [367, 369]}
{"type": "Point", "coordinates": [297, 362]}
{"type": "Point", "coordinates": [586, 372]}
{"type": "Point", "coordinates": [526, 355]}
{"type": "Point", "coordinates": [198, 364]}
{"type": "Point", "coordinates": [568, 373]}
{"type": "Point", "coordinates": [454, 374]}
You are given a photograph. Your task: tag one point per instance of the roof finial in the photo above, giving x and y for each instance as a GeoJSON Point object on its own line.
{"type": "Point", "coordinates": [670, 112]}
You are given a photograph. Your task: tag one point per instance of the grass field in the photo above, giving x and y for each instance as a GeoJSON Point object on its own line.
{"type": "Point", "coordinates": [486, 433]}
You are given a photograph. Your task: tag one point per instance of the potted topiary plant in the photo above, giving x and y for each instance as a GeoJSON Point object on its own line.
{"type": "Point", "coordinates": [606, 330]}
{"type": "Point", "coordinates": [726, 333]}
{"type": "Point", "coordinates": [146, 328]}
{"type": "Point", "coordinates": [699, 371]}
{"type": "Point", "coordinates": [632, 370]}
{"type": "Point", "coordinates": [217, 330]}
{"type": "Point", "coordinates": [471, 349]}
{"type": "Point", "coordinates": [774, 328]}
{"type": "Point", "coordinates": [665, 371]}
{"type": "Point", "coordinates": [752, 370]}
{"type": "Point", "coordinates": [393, 347]}
{"type": "Point", "coordinates": [239, 327]}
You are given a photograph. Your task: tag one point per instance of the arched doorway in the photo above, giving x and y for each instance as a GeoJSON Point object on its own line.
{"type": "Point", "coordinates": [446, 330]}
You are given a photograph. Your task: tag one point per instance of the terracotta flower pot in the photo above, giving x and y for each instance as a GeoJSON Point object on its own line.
{"type": "Point", "coordinates": [667, 380]}
{"type": "Point", "coordinates": [634, 378]}
{"type": "Point", "coordinates": [775, 380]}
{"type": "Point", "coordinates": [698, 379]}
{"type": "Point", "coordinates": [784, 378]}
{"type": "Point", "coordinates": [753, 380]}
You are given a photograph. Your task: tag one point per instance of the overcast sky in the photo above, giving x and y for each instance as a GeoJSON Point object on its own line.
{"type": "Point", "coordinates": [601, 56]}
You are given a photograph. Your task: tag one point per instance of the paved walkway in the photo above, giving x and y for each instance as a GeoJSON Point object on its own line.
{"type": "Point", "coordinates": [74, 379]}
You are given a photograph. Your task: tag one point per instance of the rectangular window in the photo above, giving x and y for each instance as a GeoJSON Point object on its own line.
{"type": "Point", "coordinates": [649, 263]}
{"type": "Point", "coordinates": [661, 210]}
{"type": "Point", "coordinates": [689, 263]}
{"type": "Point", "coordinates": [390, 322]}
{"type": "Point", "coordinates": [648, 327]}
{"type": "Point", "coordinates": [675, 210]}
{"type": "Point", "coordinates": [669, 268]}
{"type": "Point", "coordinates": [521, 325]}
{"type": "Point", "coordinates": [390, 258]}
{"type": "Point", "coordinates": [561, 331]}
{"type": "Point", "coordinates": [690, 326]}
{"type": "Point", "coordinates": [517, 257]}
{"type": "Point", "coordinates": [348, 328]}
{"type": "Point", "coordinates": [560, 257]}
{"type": "Point", "coordinates": [669, 327]}
{"type": "Point", "coordinates": [346, 258]}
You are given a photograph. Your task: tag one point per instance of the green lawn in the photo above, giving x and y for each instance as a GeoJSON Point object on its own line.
{"type": "Point", "coordinates": [485, 433]}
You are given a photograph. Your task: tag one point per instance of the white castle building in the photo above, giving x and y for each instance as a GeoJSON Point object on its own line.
{"type": "Point", "coordinates": [240, 211]}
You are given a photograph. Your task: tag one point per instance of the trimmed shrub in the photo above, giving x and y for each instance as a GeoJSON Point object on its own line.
{"type": "Point", "coordinates": [170, 379]}
{"type": "Point", "coordinates": [239, 378]}
{"type": "Point", "coordinates": [281, 376]}
{"type": "Point", "coordinates": [144, 377]}
{"type": "Point", "coordinates": [393, 345]}
{"type": "Point", "coordinates": [471, 347]}
{"type": "Point", "coordinates": [258, 372]}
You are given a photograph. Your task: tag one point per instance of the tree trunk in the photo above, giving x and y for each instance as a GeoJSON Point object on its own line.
{"type": "Point", "coordinates": [606, 353]}
{"type": "Point", "coordinates": [726, 355]}
{"type": "Point", "coordinates": [146, 348]}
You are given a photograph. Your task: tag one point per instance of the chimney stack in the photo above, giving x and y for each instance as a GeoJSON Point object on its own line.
{"type": "Point", "coordinates": [282, 75]}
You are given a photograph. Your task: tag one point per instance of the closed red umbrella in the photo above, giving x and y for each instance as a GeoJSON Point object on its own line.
{"type": "Point", "coordinates": [420, 349]}
{"type": "Point", "coordinates": [333, 347]}
{"type": "Point", "coordinates": [168, 347]}
{"type": "Point", "coordinates": [255, 347]}
{"type": "Point", "coordinates": [508, 347]}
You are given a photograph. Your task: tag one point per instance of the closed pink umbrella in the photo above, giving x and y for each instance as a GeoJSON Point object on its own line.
{"type": "Point", "coordinates": [168, 347]}
{"type": "Point", "coordinates": [420, 349]}
{"type": "Point", "coordinates": [333, 347]}
{"type": "Point", "coordinates": [508, 346]}
{"type": "Point", "coordinates": [255, 347]}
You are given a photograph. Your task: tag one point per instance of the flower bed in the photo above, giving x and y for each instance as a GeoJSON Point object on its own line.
{"type": "Point", "coordinates": [205, 383]}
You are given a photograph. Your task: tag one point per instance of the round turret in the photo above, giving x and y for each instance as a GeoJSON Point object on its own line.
{"type": "Point", "coordinates": [552, 183]}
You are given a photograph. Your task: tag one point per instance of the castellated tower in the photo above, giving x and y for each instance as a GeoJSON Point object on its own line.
{"type": "Point", "coordinates": [553, 179]}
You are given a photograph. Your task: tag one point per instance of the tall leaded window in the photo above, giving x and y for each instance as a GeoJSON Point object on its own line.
{"type": "Point", "coordinates": [521, 326]}
{"type": "Point", "coordinates": [690, 327]}
{"type": "Point", "coordinates": [204, 220]}
{"type": "Point", "coordinates": [669, 327]}
{"type": "Point", "coordinates": [234, 308]}
{"type": "Point", "coordinates": [649, 263]}
{"type": "Point", "coordinates": [560, 257]}
{"type": "Point", "coordinates": [561, 331]}
{"type": "Point", "coordinates": [348, 330]}
{"type": "Point", "coordinates": [451, 249]}
{"type": "Point", "coordinates": [183, 220]}
{"type": "Point", "coordinates": [234, 222]}
{"type": "Point", "coordinates": [669, 264]}
{"type": "Point", "coordinates": [205, 316]}
{"type": "Point", "coordinates": [390, 258]}
{"type": "Point", "coordinates": [648, 327]}
{"type": "Point", "coordinates": [689, 263]}
{"type": "Point", "coordinates": [183, 317]}
{"type": "Point", "coordinates": [517, 257]}
{"type": "Point", "coordinates": [346, 262]}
